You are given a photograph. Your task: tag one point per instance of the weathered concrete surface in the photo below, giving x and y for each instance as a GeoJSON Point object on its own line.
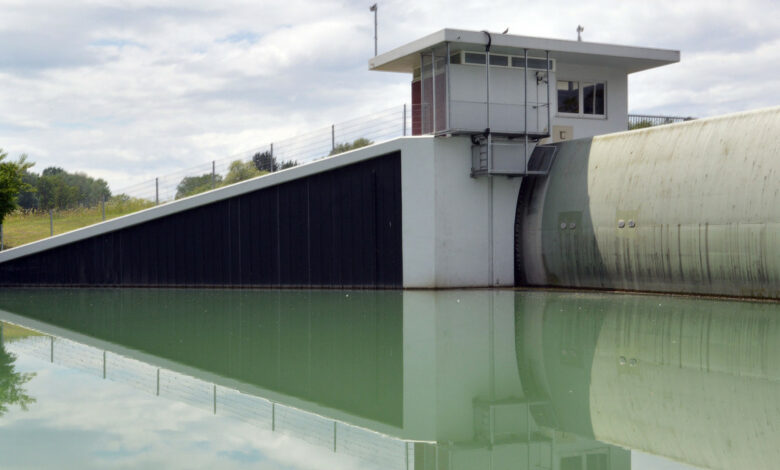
{"type": "Point", "coordinates": [693, 380]}
{"type": "Point", "coordinates": [703, 198]}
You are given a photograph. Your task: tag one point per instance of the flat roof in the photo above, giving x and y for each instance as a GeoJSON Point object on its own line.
{"type": "Point", "coordinates": [629, 58]}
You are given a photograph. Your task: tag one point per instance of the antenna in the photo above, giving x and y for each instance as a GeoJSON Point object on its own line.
{"type": "Point", "coordinates": [580, 29]}
{"type": "Point", "coordinates": [374, 9]}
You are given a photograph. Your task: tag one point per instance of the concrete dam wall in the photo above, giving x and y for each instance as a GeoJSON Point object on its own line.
{"type": "Point", "coordinates": [687, 208]}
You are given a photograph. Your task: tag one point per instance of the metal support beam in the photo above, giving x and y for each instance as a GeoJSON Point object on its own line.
{"type": "Point", "coordinates": [433, 91]}
{"type": "Point", "coordinates": [549, 103]}
{"type": "Point", "coordinates": [422, 94]}
{"type": "Point", "coordinates": [525, 110]}
{"type": "Point", "coordinates": [404, 118]}
{"type": "Point", "coordinates": [447, 88]}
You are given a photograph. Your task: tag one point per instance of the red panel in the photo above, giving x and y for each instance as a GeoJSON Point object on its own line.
{"type": "Point", "coordinates": [416, 118]}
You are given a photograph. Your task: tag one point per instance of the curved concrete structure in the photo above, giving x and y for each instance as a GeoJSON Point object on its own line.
{"type": "Point", "coordinates": [690, 208]}
{"type": "Point", "coordinates": [693, 380]}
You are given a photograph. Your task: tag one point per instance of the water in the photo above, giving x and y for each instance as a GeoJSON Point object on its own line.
{"type": "Point", "coordinates": [140, 378]}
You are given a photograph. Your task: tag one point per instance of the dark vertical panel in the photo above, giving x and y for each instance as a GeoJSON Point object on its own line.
{"type": "Point", "coordinates": [339, 228]}
{"type": "Point", "coordinates": [293, 233]}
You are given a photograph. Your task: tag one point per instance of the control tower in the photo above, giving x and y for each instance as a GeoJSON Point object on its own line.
{"type": "Point", "coordinates": [511, 93]}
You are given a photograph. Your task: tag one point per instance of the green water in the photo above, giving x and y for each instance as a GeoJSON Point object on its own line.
{"type": "Point", "coordinates": [180, 378]}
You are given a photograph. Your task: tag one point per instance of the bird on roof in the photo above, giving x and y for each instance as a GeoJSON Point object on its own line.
{"type": "Point", "coordinates": [505, 31]}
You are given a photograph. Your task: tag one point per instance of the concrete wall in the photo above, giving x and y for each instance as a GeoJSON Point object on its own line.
{"type": "Point", "coordinates": [703, 197]}
{"type": "Point", "coordinates": [451, 224]}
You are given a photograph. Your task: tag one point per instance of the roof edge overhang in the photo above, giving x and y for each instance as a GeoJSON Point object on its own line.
{"type": "Point", "coordinates": [629, 58]}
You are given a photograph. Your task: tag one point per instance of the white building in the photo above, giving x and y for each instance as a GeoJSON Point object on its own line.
{"type": "Point", "coordinates": [535, 90]}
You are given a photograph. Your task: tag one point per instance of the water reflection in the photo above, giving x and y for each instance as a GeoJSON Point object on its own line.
{"type": "Point", "coordinates": [445, 380]}
{"type": "Point", "coordinates": [12, 391]}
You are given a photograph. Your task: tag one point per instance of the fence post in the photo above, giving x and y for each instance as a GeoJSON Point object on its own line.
{"type": "Point", "coordinates": [103, 207]}
{"type": "Point", "coordinates": [333, 137]}
{"type": "Point", "coordinates": [404, 126]}
{"type": "Point", "coordinates": [213, 174]}
{"type": "Point", "coordinates": [156, 191]}
{"type": "Point", "coordinates": [51, 224]}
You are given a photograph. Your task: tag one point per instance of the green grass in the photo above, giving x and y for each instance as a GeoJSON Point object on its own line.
{"type": "Point", "coordinates": [13, 332]}
{"type": "Point", "coordinates": [25, 227]}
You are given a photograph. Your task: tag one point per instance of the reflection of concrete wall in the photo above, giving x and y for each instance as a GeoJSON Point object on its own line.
{"type": "Point", "coordinates": [690, 379]}
{"type": "Point", "coordinates": [699, 384]}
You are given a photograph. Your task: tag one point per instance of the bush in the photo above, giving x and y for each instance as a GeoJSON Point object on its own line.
{"type": "Point", "coordinates": [346, 146]}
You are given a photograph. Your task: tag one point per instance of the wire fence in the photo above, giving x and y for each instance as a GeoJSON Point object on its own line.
{"type": "Point", "coordinates": [273, 156]}
{"type": "Point", "coordinates": [26, 226]}
{"type": "Point", "coordinates": [639, 121]}
{"type": "Point", "coordinates": [370, 448]}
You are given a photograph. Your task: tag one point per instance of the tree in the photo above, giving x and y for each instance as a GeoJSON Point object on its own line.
{"type": "Point", "coordinates": [12, 391]}
{"type": "Point", "coordinates": [346, 146]}
{"type": "Point", "coordinates": [640, 125]}
{"type": "Point", "coordinates": [55, 188]}
{"type": "Point", "coordinates": [191, 185]}
{"type": "Point", "coordinates": [240, 171]}
{"type": "Point", "coordinates": [11, 182]}
{"type": "Point", "coordinates": [265, 161]}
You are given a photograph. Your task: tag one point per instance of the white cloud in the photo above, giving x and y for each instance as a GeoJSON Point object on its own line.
{"type": "Point", "coordinates": [86, 422]}
{"type": "Point", "coordinates": [134, 90]}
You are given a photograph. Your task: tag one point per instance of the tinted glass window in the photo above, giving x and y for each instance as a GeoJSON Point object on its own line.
{"type": "Point", "coordinates": [536, 64]}
{"type": "Point", "coordinates": [588, 97]}
{"type": "Point", "coordinates": [568, 97]}
{"type": "Point", "coordinates": [474, 58]}
{"type": "Point", "coordinates": [600, 98]}
{"type": "Point", "coordinates": [501, 60]}
{"type": "Point", "coordinates": [593, 98]}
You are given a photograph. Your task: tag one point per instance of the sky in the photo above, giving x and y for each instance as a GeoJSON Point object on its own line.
{"type": "Point", "coordinates": [130, 90]}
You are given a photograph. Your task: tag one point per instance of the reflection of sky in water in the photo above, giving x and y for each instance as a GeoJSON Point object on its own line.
{"type": "Point", "coordinates": [594, 373]}
{"type": "Point", "coordinates": [82, 421]}
{"type": "Point", "coordinates": [86, 422]}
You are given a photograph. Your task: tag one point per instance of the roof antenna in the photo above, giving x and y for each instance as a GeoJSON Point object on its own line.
{"type": "Point", "coordinates": [580, 29]}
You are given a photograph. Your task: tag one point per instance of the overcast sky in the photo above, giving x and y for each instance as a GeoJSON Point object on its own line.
{"type": "Point", "coordinates": [127, 90]}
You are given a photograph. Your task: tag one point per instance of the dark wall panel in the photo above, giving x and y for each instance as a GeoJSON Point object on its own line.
{"type": "Point", "coordinates": [340, 228]}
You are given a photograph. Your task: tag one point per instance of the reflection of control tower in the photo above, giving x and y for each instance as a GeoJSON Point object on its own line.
{"type": "Point", "coordinates": [484, 417]}
{"type": "Point", "coordinates": [437, 371]}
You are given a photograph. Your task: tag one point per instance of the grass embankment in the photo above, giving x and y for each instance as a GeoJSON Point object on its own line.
{"type": "Point", "coordinates": [25, 227]}
{"type": "Point", "coordinates": [12, 332]}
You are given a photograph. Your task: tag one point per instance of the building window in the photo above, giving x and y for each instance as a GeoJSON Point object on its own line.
{"type": "Point", "coordinates": [568, 97]}
{"type": "Point", "coordinates": [593, 98]}
{"type": "Point", "coordinates": [584, 99]}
